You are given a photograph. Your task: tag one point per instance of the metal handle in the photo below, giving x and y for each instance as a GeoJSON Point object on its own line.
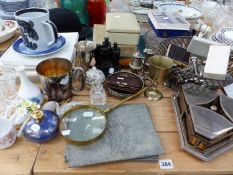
{"type": "Point", "coordinates": [78, 74]}
{"type": "Point", "coordinates": [53, 32]}
{"type": "Point", "coordinates": [123, 101]}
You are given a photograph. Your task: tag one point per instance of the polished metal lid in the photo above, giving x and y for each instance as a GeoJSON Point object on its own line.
{"type": "Point", "coordinates": [209, 123]}
{"type": "Point", "coordinates": [197, 95]}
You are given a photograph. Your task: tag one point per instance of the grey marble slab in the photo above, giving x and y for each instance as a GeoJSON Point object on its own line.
{"type": "Point", "coordinates": [130, 135]}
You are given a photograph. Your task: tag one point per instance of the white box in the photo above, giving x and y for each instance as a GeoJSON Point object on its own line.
{"type": "Point", "coordinates": [122, 28]}
{"type": "Point", "coordinates": [217, 62]}
{"type": "Point", "coordinates": [11, 58]}
{"type": "Point", "coordinates": [200, 46]}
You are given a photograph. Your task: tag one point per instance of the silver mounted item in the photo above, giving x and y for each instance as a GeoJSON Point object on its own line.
{"type": "Point", "coordinates": [204, 120]}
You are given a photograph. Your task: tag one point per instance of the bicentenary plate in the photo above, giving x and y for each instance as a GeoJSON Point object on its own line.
{"type": "Point", "coordinates": [188, 12]}
{"type": "Point", "coordinates": [20, 47]}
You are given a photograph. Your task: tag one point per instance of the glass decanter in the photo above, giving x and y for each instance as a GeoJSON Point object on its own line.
{"type": "Point", "coordinates": [97, 94]}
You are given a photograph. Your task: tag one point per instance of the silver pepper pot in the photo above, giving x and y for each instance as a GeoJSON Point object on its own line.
{"type": "Point", "coordinates": [146, 66]}
{"type": "Point", "coordinates": [136, 62]}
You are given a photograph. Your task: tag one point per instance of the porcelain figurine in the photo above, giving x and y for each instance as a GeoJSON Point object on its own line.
{"type": "Point", "coordinates": [21, 111]}
{"type": "Point", "coordinates": [28, 90]}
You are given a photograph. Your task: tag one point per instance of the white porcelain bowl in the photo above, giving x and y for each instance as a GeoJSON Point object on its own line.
{"type": "Point", "coordinates": [8, 30]}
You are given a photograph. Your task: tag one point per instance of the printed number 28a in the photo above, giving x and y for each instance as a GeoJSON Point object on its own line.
{"type": "Point", "coordinates": [166, 164]}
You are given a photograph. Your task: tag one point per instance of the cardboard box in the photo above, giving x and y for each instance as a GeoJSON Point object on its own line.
{"type": "Point", "coordinates": [122, 28]}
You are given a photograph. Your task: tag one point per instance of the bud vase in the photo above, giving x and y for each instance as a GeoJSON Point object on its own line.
{"type": "Point", "coordinates": [28, 90]}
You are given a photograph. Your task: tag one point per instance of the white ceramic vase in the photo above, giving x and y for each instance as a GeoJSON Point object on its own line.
{"type": "Point", "coordinates": [28, 90]}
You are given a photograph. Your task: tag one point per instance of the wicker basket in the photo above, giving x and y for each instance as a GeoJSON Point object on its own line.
{"type": "Point", "coordinates": [179, 76]}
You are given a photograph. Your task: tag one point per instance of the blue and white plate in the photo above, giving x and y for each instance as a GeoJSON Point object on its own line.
{"type": "Point", "coordinates": [220, 37]}
{"type": "Point", "coordinates": [20, 47]}
{"type": "Point", "coordinates": [213, 38]}
{"type": "Point", "coordinates": [187, 12]}
{"type": "Point", "coordinates": [226, 34]}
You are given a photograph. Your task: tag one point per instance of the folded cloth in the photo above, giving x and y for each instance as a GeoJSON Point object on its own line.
{"type": "Point", "coordinates": [129, 136]}
{"type": "Point", "coordinates": [11, 58]}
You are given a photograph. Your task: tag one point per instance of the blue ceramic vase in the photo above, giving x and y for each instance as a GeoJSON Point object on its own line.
{"type": "Point", "coordinates": [43, 130]}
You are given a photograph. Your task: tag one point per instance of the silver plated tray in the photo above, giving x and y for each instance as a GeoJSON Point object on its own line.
{"type": "Point", "coordinates": [219, 144]}
{"type": "Point", "coordinates": [205, 156]}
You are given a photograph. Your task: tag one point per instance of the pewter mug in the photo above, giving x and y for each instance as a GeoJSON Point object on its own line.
{"type": "Point", "coordinates": [59, 79]}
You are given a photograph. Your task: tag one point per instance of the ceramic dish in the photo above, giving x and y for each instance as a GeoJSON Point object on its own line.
{"type": "Point", "coordinates": [8, 30]}
{"type": "Point", "coordinates": [188, 12]}
{"type": "Point", "coordinates": [215, 39]}
{"type": "Point", "coordinates": [19, 47]}
{"type": "Point", "coordinates": [226, 34]}
{"type": "Point", "coordinates": [220, 37]}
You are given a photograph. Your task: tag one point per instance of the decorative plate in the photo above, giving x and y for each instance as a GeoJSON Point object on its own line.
{"type": "Point", "coordinates": [215, 38]}
{"type": "Point", "coordinates": [19, 47]}
{"type": "Point", "coordinates": [7, 30]}
{"type": "Point", "coordinates": [188, 12]}
{"type": "Point", "coordinates": [227, 34]}
{"type": "Point", "coordinates": [220, 37]}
